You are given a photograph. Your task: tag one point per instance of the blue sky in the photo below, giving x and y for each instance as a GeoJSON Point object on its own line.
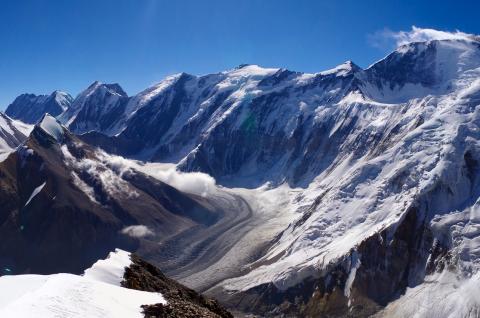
{"type": "Point", "coordinates": [58, 44]}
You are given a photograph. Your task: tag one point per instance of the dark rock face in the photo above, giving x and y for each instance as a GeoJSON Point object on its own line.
{"type": "Point", "coordinates": [182, 302]}
{"type": "Point", "coordinates": [30, 108]}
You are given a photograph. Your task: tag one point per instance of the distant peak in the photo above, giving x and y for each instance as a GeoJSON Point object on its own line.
{"type": "Point", "coordinates": [350, 64]}
{"type": "Point", "coordinates": [95, 84]}
{"type": "Point", "coordinates": [343, 69]}
{"type": "Point", "coordinates": [247, 70]}
{"type": "Point", "coordinates": [113, 88]}
{"type": "Point", "coordinates": [59, 93]}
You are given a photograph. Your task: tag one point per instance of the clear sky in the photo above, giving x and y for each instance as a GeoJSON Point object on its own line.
{"type": "Point", "coordinates": [59, 44]}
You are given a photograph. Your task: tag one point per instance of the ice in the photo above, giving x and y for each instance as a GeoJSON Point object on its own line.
{"type": "Point", "coordinates": [52, 127]}
{"type": "Point", "coordinates": [445, 295]}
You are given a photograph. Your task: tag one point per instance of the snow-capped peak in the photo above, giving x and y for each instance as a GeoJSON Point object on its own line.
{"type": "Point", "coordinates": [114, 89]}
{"type": "Point", "coordinates": [51, 126]}
{"type": "Point", "coordinates": [418, 69]}
{"type": "Point", "coordinates": [63, 99]}
{"type": "Point", "coordinates": [343, 69]}
{"type": "Point", "coordinates": [251, 70]}
{"type": "Point", "coordinates": [145, 96]}
{"type": "Point", "coordinates": [97, 87]}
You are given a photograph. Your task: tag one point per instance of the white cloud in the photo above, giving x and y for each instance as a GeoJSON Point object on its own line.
{"type": "Point", "coordinates": [109, 169]}
{"type": "Point", "coordinates": [192, 182]}
{"type": "Point", "coordinates": [137, 231]}
{"type": "Point", "coordinates": [387, 37]}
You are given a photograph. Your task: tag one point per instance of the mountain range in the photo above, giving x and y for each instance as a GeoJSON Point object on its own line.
{"type": "Point", "coordinates": [345, 193]}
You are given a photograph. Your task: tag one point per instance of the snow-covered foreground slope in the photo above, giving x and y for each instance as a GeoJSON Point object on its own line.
{"type": "Point", "coordinates": [97, 293]}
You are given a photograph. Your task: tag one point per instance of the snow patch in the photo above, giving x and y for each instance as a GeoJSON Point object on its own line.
{"type": "Point", "coordinates": [35, 192]}
{"type": "Point", "coordinates": [355, 264]}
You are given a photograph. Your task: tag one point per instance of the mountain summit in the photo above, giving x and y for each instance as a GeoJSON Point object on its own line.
{"type": "Point", "coordinates": [29, 108]}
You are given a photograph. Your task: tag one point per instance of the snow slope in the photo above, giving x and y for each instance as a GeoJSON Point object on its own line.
{"type": "Point", "coordinates": [12, 134]}
{"type": "Point", "coordinates": [95, 294]}
{"type": "Point", "coordinates": [443, 295]}
{"type": "Point", "coordinates": [362, 195]}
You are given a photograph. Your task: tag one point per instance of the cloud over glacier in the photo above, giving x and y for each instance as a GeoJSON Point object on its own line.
{"type": "Point", "coordinates": [192, 182]}
{"type": "Point", "coordinates": [386, 38]}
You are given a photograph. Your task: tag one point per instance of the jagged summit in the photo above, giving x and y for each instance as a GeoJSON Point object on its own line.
{"type": "Point", "coordinates": [91, 108]}
{"type": "Point", "coordinates": [429, 62]}
{"type": "Point", "coordinates": [344, 69]}
{"type": "Point", "coordinates": [29, 108]}
{"type": "Point", "coordinates": [51, 126]}
{"type": "Point", "coordinates": [114, 88]}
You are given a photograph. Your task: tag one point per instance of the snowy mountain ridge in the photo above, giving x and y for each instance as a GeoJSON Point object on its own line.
{"type": "Point", "coordinates": [12, 134]}
{"type": "Point", "coordinates": [97, 293]}
{"type": "Point", "coordinates": [29, 108]}
{"type": "Point", "coordinates": [381, 167]}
